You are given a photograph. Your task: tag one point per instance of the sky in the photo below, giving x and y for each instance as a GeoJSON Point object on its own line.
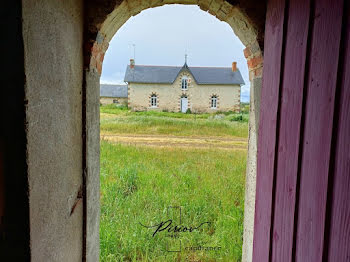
{"type": "Point", "coordinates": [163, 35]}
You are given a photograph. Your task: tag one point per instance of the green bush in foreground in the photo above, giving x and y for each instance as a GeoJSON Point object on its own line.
{"type": "Point", "coordinates": [139, 183]}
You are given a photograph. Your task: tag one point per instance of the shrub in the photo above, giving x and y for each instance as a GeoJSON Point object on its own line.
{"type": "Point", "coordinates": [239, 117]}
{"type": "Point", "coordinates": [188, 111]}
{"type": "Point", "coordinates": [123, 107]}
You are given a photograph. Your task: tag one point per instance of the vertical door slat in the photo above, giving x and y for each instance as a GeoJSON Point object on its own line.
{"type": "Point", "coordinates": [339, 239]}
{"type": "Point", "coordinates": [267, 128]}
{"type": "Point", "coordinates": [289, 132]}
{"type": "Point", "coordinates": [316, 145]}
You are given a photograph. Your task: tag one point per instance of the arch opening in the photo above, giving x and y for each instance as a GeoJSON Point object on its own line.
{"type": "Point", "coordinates": [97, 42]}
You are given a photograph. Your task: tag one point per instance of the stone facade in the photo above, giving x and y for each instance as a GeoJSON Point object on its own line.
{"type": "Point", "coordinates": [169, 96]}
{"type": "Point", "coordinates": [113, 100]}
{"type": "Point", "coordinates": [113, 94]}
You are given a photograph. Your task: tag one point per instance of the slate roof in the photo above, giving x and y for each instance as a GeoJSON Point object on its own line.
{"type": "Point", "coordinates": [113, 90]}
{"type": "Point", "coordinates": [168, 74]}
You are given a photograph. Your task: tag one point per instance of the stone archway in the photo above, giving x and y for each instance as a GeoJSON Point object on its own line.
{"type": "Point", "coordinates": [50, 147]}
{"type": "Point", "coordinates": [103, 20]}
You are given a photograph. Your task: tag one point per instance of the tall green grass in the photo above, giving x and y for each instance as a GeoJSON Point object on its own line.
{"type": "Point", "coordinates": [122, 120]}
{"type": "Point", "coordinates": [139, 183]}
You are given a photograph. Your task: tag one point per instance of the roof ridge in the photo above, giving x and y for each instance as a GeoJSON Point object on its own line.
{"type": "Point", "coordinates": [227, 67]}
{"type": "Point", "coordinates": [113, 84]}
{"type": "Point", "coordinates": [168, 74]}
{"type": "Point", "coordinates": [159, 66]}
{"type": "Point", "coordinates": [210, 67]}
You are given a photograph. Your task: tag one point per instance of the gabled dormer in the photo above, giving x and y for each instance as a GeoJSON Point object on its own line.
{"type": "Point", "coordinates": [185, 75]}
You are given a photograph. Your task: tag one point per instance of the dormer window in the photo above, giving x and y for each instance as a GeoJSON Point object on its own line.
{"type": "Point", "coordinates": [184, 83]}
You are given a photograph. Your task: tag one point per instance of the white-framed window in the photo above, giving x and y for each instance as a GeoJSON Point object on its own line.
{"type": "Point", "coordinates": [184, 83]}
{"type": "Point", "coordinates": [154, 100]}
{"type": "Point", "coordinates": [214, 101]}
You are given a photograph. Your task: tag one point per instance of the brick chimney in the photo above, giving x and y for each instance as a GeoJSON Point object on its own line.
{"type": "Point", "coordinates": [132, 63]}
{"type": "Point", "coordinates": [234, 66]}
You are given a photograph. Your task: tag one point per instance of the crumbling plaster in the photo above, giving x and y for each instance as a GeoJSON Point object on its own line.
{"type": "Point", "coordinates": [53, 39]}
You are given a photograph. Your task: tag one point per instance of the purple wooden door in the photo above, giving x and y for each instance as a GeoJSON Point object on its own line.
{"type": "Point", "coordinates": [303, 173]}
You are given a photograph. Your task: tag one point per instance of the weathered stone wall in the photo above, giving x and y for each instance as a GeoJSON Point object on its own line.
{"type": "Point", "coordinates": [110, 100]}
{"type": "Point", "coordinates": [53, 40]}
{"type": "Point", "coordinates": [92, 164]}
{"type": "Point", "coordinates": [169, 95]}
{"type": "Point", "coordinates": [255, 66]}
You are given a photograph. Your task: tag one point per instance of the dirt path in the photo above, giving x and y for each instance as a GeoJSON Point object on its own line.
{"type": "Point", "coordinates": [234, 143]}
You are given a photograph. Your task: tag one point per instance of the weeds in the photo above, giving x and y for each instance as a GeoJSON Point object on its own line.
{"type": "Point", "coordinates": [139, 183]}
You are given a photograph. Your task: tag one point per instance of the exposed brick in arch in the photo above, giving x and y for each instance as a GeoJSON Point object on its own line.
{"type": "Point", "coordinates": [102, 15]}
{"type": "Point", "coordinates": [103, 18]}
{"type": "Point", "coordinates": [106, 17]}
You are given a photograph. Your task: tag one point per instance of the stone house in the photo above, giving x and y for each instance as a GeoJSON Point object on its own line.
{"type": "Point", "coordinates": [113, 94]}
{"type": "Point", "coordinates": [179, 89]}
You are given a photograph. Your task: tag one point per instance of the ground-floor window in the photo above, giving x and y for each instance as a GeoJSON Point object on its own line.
{"type": "Point", "coordinates": [214, 102]}
{"type": "Point", "coordinates": [154, 100]}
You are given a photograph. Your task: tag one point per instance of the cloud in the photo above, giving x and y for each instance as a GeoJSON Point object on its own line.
{"type": "Point", "coordinates": [162, 35]}
{"type": "Point", "coordinates": [245, 93]}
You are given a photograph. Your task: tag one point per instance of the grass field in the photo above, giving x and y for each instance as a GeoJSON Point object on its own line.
{"type": "Point", "coordinates": [140, 182]}
{"type": "Point", "coordinates": [114, 120]}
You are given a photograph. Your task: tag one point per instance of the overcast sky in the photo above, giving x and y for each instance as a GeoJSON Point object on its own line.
{"type": "Point", "coordinates": [162, 35]}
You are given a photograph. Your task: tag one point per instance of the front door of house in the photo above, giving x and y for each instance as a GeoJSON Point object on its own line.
{"type": "Point", "coordinates": [184, 104]}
